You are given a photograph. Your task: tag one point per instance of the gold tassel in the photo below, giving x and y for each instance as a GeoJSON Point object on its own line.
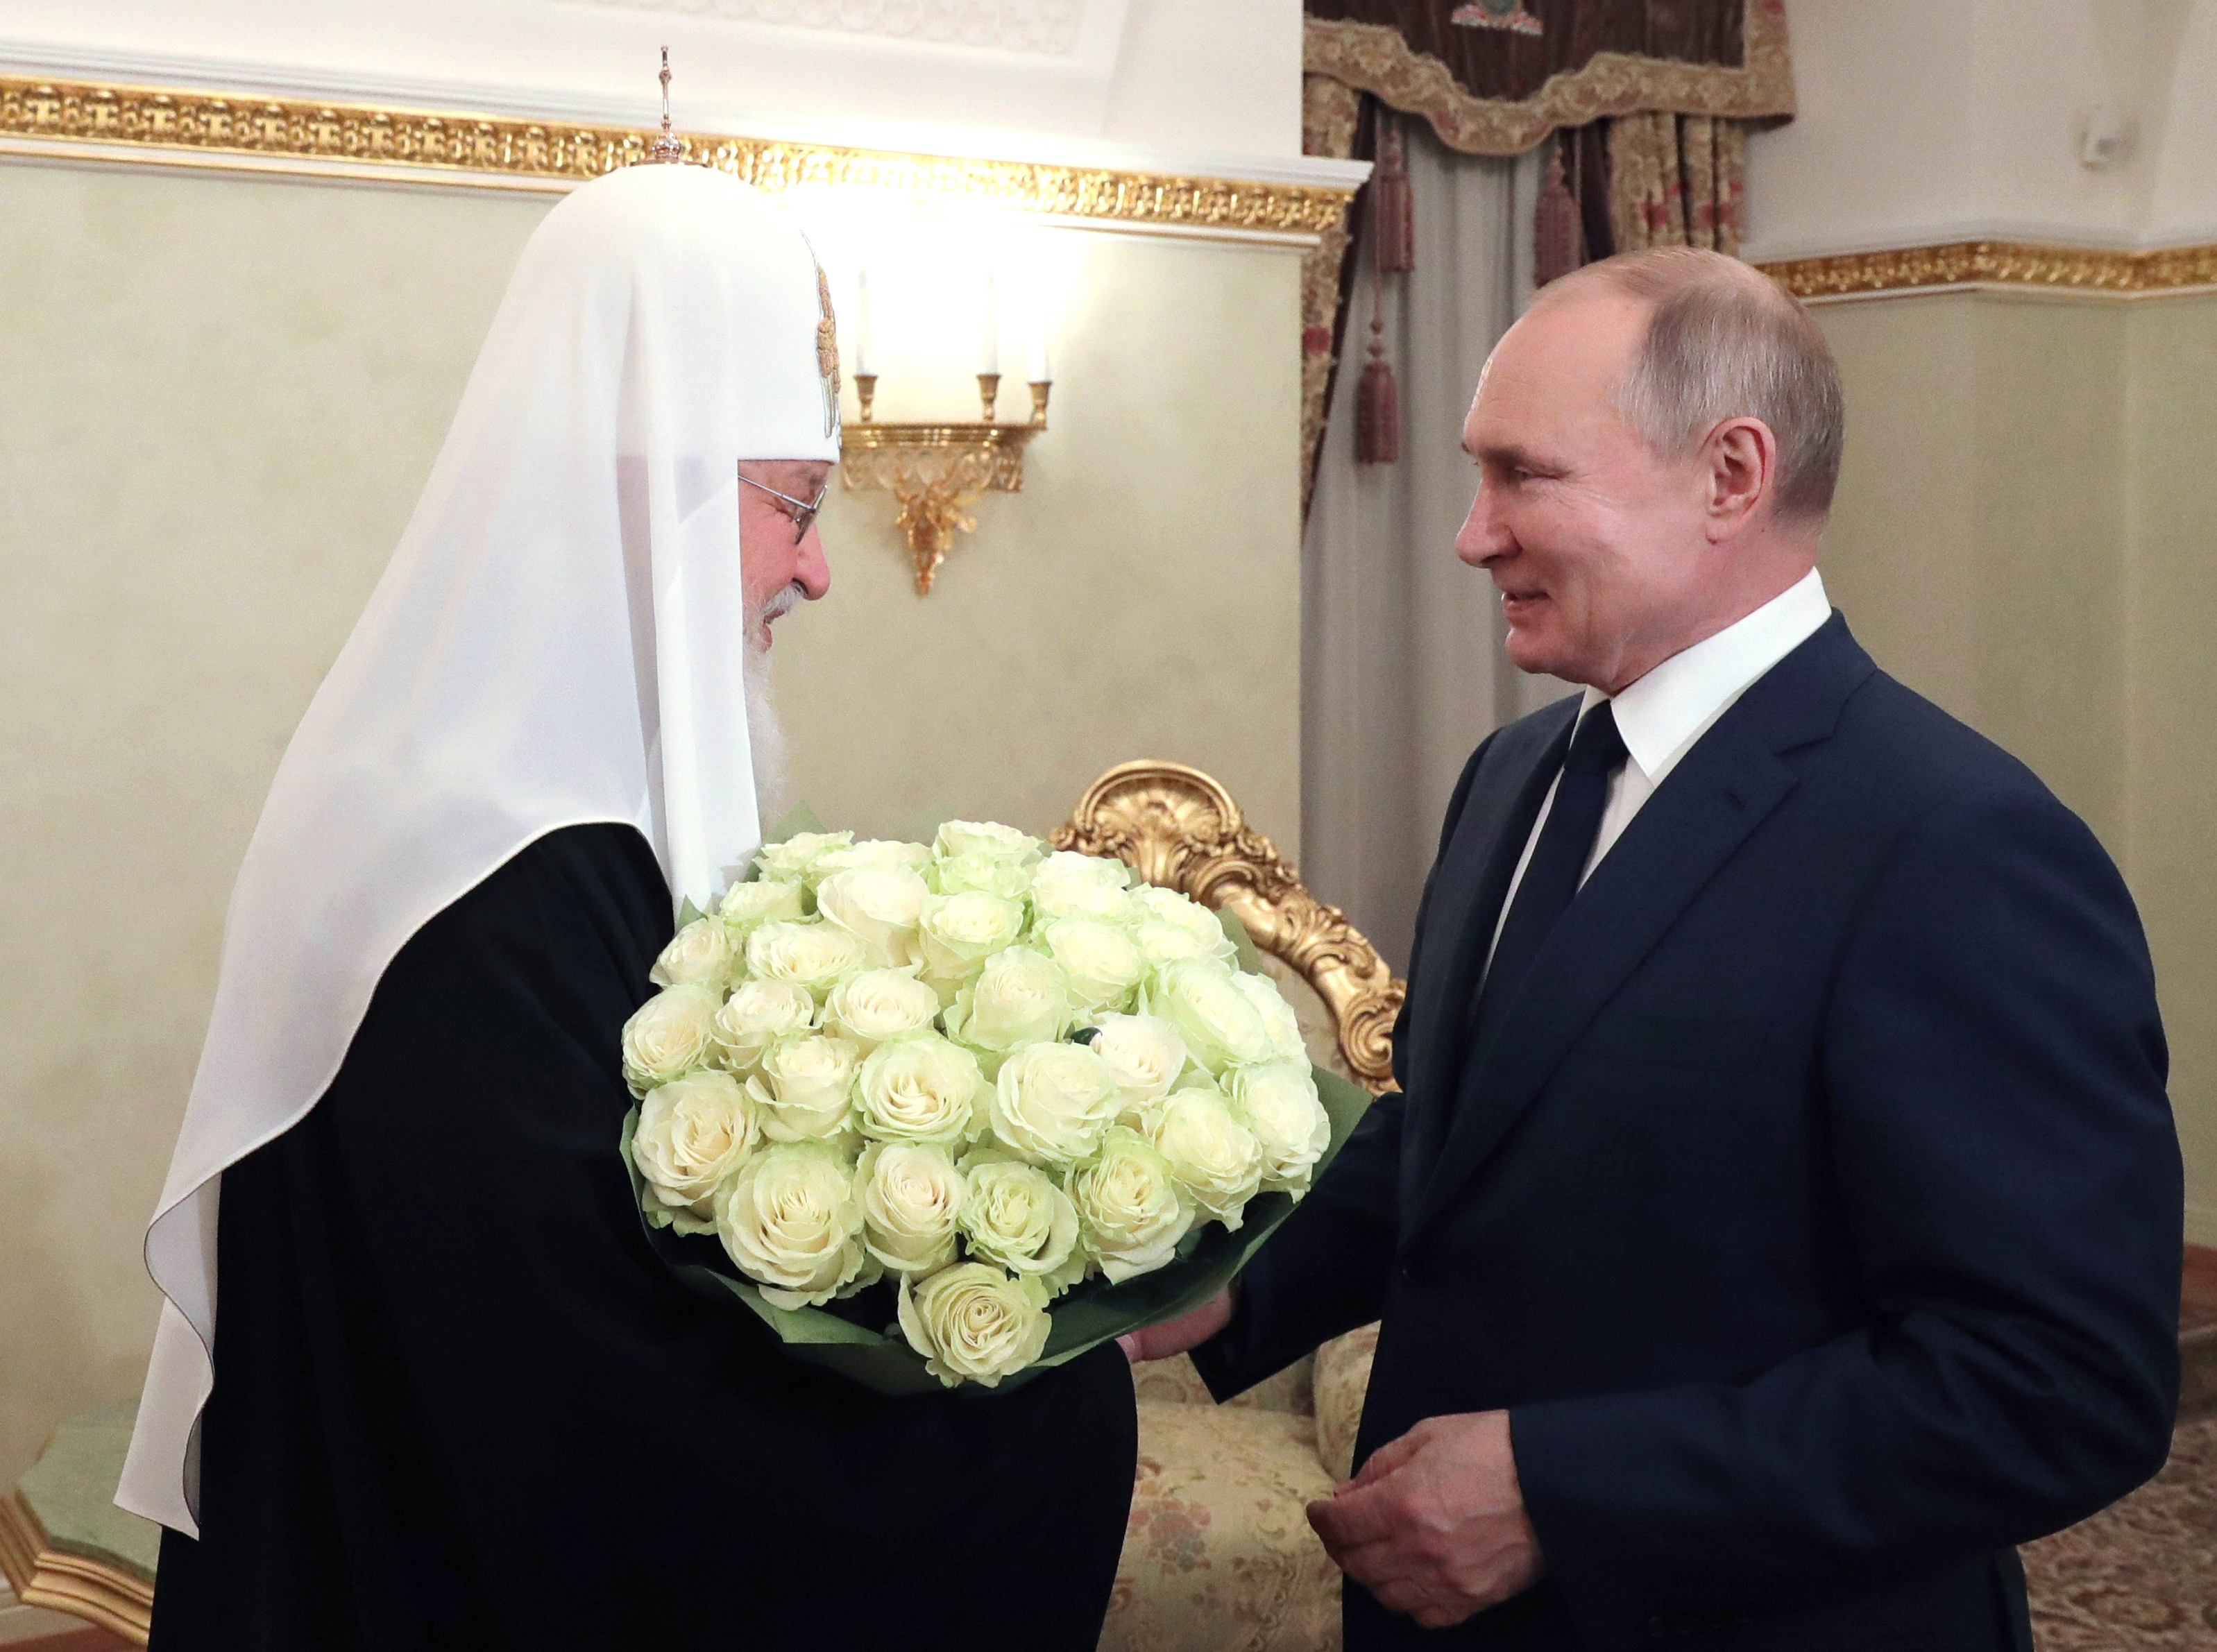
{"type": "Point", "coordinates": [1377, 404]}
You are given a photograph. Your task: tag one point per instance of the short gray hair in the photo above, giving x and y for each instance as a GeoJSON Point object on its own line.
{"type": "Point", "coordinates": [1724, 341]}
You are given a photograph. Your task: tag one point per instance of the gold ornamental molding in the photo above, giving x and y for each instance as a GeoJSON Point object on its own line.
{"type": "Point", "coordinates": [79, 1585]}
{"type": "Point", "coordinates": [1179, 828]}
{"type": "Point", "coordinates": [168, 126]}
{"type": "Point", "coordinates": [1373, 57]}
{"type": "Point", "coordinates": [1999, 266]}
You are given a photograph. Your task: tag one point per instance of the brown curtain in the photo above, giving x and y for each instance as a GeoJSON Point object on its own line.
{"type": "Point", "coordinates": [1646, 101]}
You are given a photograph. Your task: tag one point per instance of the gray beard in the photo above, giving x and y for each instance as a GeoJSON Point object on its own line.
{"type": "Point", "coordinates": [766, 736]}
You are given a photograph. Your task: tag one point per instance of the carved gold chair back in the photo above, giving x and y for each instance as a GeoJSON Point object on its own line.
{"type": "Point", "coordinates": [1179, 828]}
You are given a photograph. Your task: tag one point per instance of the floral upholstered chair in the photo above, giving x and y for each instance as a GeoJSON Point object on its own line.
{"type": "Point", "coordinates": [1219, 1554]}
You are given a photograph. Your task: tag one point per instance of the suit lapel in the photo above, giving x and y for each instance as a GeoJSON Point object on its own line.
{"type": "Point", "coordinates": [1718, 794]}
{"type": "Point", "coordinates": [1474, 873]}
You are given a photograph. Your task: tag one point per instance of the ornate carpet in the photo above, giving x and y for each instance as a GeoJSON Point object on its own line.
{"type": "Point", "coordinates": [2140, 1576]}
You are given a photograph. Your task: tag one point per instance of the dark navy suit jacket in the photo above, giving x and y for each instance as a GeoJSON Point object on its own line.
{"type": "Point", "coordinates": [1813, 1209]}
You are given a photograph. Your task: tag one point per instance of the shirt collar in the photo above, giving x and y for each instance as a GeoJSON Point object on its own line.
{"type": "Point", "coordinates": [1664, 713]}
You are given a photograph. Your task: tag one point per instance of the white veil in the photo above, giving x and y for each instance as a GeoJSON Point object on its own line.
{"type": "Point", "coordinates": [557, 639]}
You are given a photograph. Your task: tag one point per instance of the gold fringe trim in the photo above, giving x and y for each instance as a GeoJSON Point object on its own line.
{"type": "Point", "coordinates": [1375, 57]}
{"type": "Point", "coordinates": [143, 123]}
{"type": "Point", "coordinates": [1999, 264]}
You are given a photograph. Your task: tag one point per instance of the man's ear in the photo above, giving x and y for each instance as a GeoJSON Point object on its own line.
{"type": "Point", "coordinates": [1740, 471]}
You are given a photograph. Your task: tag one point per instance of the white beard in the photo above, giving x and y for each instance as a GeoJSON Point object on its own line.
{"type": "Point", "coordinates": [766, 736]}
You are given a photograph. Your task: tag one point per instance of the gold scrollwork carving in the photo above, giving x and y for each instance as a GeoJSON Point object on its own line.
{"type": "Point", "coordinates": [936, 471]}
{"type": "Point", "coordinates": [1179, 828]}
{"type": "Point", "coordinates": [1999, 264]}
{"type": "Point", "coordinates": [134, 122]}
{"type": "Point", "coordinates": [79, 1585]}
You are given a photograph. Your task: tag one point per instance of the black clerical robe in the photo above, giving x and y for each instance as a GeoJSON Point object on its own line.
{"type": "Point", "coordinates": [459, 1402]}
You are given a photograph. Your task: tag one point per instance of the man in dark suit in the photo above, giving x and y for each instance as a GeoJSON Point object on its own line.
{"type": "Point", "coordinates": [1780, 1217]}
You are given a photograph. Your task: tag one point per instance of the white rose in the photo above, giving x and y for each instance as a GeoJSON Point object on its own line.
{"type": "Point", "coordinates": [1278, 1018]}
{"type": "Point", "coordinates": [1161, 943]}
{"type": "Point", "coordinates": [789, 862]}
{"type": "Point", "coordinates": [1132, 1210]}
{"type": "Point", "coordinates": [1212, 1012]}
{"type": "Point", "coordinates": [805, 1089]}
{"type": "Point", "coordinates": [1052, 1101]}
{"type": "Point", "coordinates": [879, 906]}
{"type": "Point", "coordinates": [1012, 1214]}
{"type": "Point", "coordinates": [1070, 886]}
{"type": "Point", "coordinates": [1019, 997]}
{"type": "Point", "coordinates": [1214, 1156]}
{"type": "Point", "coordinates": [961, 932]}
{"type": "Point", "coordinates": [1099, 960]}
{"type": "Point", "coordinates": [747, 907]}
{"type": "Point", "coordinates": [702, 954]}
{"type": "Point", "coordinates": [811, 955]}
{"type": "Point", "coordinates": [911, 1193]}
{"type": "Point", "coordinates": [1144, 1055]}
{"type": "Point", "coordinates": [985, 874]}
{"type": "Point", "coordinates": [880, 1004]}
{"type": "Point", "coordinates": [920, 1089]}
{"type": "Point", "coordinates": [988, 839]}
{"type": "Point", "coordinates": [789, 1219]}
{"type": "Point", "coordinates": [670, 1035]}
{"type": "Point", "coordinates": [1202, 928]}
{"type": "Point", "coordinates": [972, 1322]}
{"type": "Point", "coordinates": [758, 1016]}
{"type": "Point", "coordinates": [870, 852]}
{"type": "Point", "coordinates": [692, 1132]}
{"type": "Point", "coordinates": [1279, 1102]}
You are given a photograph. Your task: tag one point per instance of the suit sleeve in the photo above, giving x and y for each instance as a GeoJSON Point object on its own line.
{"type": "Point", "coordinates": [1991, 1079]}
{"type": "Point", "coordinates": [1324, 1272]}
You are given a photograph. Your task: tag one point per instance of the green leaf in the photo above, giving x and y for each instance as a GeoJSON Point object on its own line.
{"type": "Point", "coordinates": [922, 826]}
{"type": "Point", "coordinates": [690, 913]}
{"type": "Point", "coordinates": [1251, 955]}
{"type": "Point", "coordinates": [797, 819]}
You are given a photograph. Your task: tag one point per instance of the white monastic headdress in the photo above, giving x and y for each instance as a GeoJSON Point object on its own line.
{"type": "Point", "coordinates": [558, 640]}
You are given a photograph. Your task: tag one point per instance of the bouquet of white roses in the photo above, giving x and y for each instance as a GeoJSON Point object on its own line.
{"type": "Point", "coordinates": [1032, 1100]}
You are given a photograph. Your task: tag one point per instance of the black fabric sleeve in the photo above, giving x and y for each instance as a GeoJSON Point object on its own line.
{"type": "Point", "coordinates": [1324, 1272]}
{"type": "Point", "coordinates": [1992, 1073]}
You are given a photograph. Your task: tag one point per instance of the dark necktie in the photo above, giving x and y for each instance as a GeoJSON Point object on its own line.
{"type": "Point", "coordinates": [1551, 877]}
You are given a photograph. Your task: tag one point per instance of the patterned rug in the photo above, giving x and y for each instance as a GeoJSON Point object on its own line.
{"type": "Point", "coordinates": [2142, 1576]}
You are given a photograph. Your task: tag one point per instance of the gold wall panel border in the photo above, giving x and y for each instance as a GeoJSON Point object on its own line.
{"type": "Point", "coordinates": [2008, 265]}
{"type": "Point", "coordinates": [93, 121]}
{"type": "Point", "coordinates": [77, 1584]}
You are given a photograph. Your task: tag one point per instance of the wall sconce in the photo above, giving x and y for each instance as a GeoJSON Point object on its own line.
{"type": "Point", "coordinates": [938, 471]}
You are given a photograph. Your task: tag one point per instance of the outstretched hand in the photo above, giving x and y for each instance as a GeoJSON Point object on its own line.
{"type": "Point", "coordinates": [1435, 1525]}
{"type": "Point", "coordinates": [1174, 1336]}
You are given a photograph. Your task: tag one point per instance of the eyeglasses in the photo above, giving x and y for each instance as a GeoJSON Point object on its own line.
{"type": "Point", "coordinates": [803, 512]}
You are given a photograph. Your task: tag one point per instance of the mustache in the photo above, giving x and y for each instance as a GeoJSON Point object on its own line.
{"type": "Point", "coordinates": [783, 603]}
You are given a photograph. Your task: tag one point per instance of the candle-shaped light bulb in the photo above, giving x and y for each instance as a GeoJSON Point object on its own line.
{"type": "Point", "coordinates": [989, 346]}
{"type": "Point", "coordinates": [862, 323]}
{"type": "Point", "coordinates": [1041, 372]}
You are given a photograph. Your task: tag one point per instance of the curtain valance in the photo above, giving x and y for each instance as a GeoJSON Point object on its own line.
{"type": "Point", "coordinates": [1497, 77]}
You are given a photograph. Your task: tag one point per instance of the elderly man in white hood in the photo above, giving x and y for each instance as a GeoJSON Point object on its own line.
{"type": "Point", "coordinates": [453, 1399]}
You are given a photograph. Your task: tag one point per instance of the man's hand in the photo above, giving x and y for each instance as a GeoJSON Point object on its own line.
{"type": "Point", "coordinates": [1435, 1525]}
{"type": "Point", "coordinates": [1174, 1336]}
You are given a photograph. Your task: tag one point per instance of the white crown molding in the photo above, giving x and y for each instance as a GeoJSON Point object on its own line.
{"type": "Point", "coordinates": [1939, 231]}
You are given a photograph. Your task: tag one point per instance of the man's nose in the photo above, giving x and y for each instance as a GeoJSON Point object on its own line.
{"type": "Point", "coordinates": [1483, 536]}
{"type": "Point", "coordinates": [810, 571]}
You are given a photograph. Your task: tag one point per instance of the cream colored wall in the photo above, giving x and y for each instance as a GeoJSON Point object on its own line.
{"type": "Point", "coordinates": [221, 395]}
{"type": "Point", "coordinates": [2171, 746]}
{"type": "Point", "coordinates": [2022, 533]}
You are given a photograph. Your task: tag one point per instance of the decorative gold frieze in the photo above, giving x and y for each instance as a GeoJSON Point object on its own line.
{"type": "Point", "coordinates": [213, 129]}
{"type": "Point", "coordinates": [1179, 828]}
{"type": "Point", "coordinates": [2005, 264]}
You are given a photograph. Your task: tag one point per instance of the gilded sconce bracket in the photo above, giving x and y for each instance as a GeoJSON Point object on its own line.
{"type": "Point", "coordinates": [937, 471]}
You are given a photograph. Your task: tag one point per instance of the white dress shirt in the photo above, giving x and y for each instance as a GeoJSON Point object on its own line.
{"type": "Point", "coordinates": [1661, 716]}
